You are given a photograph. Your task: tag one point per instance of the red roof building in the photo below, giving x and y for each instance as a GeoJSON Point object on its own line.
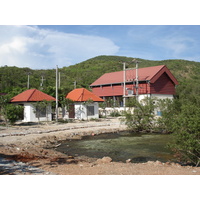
{"type": "Point", "coordinates": [157, 80]}
{"type": "Point", "coordinates": [31, 96]}
{"type": "Point", "coordinates": [82, 95]}
{"type": "Point", "coordinates": [33, 113]}
{"type": "Point", "coordinates": [81, 110]}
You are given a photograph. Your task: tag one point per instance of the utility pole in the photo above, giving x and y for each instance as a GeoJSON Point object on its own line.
{"type": "Point", "coordinates": [42, 81]}
{"type": "Point", "coordinates": [136, 68]}
{"type": "Point", "coordinates": [124, 91]}
{"type": "Point", "coordinates": [56, 93]}
{"type": "Point", "coordinates": [59, 80]}
{"type": "Point", "coordinates": [74, 84]}
{"type": "Point", "coordinates": [28, 81]}
{"type": "Point", "coordinates": [136, 78]}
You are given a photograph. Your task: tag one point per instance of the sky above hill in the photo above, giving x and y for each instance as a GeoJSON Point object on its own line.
{"type": "Point", "coordinates": [44, 47]}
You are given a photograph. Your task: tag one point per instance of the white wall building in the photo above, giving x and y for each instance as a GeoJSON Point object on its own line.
{"type": "Point", "coordinates": [85, 106]}
{"type": "Point", "coordinates": [32, 112]}
{"type": "Point", "coordinates": [31, 116]}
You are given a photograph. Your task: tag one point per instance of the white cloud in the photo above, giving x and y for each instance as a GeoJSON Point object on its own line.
{"type": "Point", "coordinates": [176, 45]}
{"type": "Point", "coordinates": [165, 42]}
{"type": "Point", "coordinates": [30, 46]}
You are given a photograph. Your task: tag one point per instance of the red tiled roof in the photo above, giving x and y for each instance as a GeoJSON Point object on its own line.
{"type": "Point", "coordinates": [81, 95]}
{"type": "Point", "coordinates": [32, 95]}
{"type": "Point", "coordinates": [144, 74]}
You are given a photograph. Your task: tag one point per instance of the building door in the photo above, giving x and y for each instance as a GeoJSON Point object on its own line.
{"type": "Point", "coordinates": [71, 111]}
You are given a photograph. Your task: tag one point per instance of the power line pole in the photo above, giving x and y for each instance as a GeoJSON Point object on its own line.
{"type": "Point", "coordinates": [136, 78]}
{"type": "Point", "coordinates": [42, 81]}
{"type": "Point", "coordinates": [28, 82]}
{"type": "Point", "coordinates": [124, 91]}
{"type": "Point", "coordinates": [74, 84]}
{"type": "Point", "coordinates": [59, 80]}
{"type": "Point", "coordinates": [56, 93]}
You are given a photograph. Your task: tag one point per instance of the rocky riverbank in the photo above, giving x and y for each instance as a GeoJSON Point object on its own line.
{"type": "Point", "coordinates": [35, 146]}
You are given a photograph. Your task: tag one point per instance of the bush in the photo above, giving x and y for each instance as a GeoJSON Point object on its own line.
{"type": "Point", "coordinates": [182, 118]}
{"type": "Point", "coordinates": [169, 109]}
{"type": "Point", "coordinates": [186, 132]}
{"type": "Point", "coordinates": [10, 112]}
{"type": "Point", "coordinates": [115, 113]}
{"type": "Point", "coordinates": [14, 112]}
{"type": "Point", "coordinates": [142, 119]}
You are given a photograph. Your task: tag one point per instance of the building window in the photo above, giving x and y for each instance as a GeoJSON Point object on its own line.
{"type": "Point", "coordinates": [40, 112]}
{"type": "Point", "coordinates": [90, 110]}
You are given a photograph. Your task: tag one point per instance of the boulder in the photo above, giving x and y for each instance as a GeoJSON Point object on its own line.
{"type": "Point", "coordinates": [158, 162]}
{"type": "Point", "coordinates": [104, 160]}
{"type": "Point", "coordinates": [128, 161]}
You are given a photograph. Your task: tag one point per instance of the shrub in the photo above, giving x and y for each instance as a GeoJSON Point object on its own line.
{"type": "Point", "coordinates": [142, 118]}
{"type": "Point", "coordinates": [186, 132]}
{"type": "Point", "coordinates": [10, 112]}
{"type": "Point", "coordinates": [14, 112]}
{"type": "Point", "coordinates": [169, 109]}
{"type": "Point", "coordinates": [115, 113]}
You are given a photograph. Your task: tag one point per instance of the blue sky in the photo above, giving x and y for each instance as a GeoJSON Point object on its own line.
{"type": "Point", "coordinates": [44, 47]}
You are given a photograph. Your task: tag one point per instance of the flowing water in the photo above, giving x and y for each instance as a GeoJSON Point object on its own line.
{"type": "Point", "coordinates": [120, 147]}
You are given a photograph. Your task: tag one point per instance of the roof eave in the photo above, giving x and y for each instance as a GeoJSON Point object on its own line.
{"type": "Point", "coordinates": [108, 84]}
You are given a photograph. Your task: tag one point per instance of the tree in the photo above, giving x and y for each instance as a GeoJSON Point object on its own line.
{"type": "Point", "coordinates": [186, 132]}
{"type": "Point", "coordinates": [65, 103]}
{"type": "Point", "coordinates": [14, 112]}
{"type": "Point", "coordinates": [103, 106]}
{"type": "Point", "coordinates": [142, 117]}
{"type": "Point", "coordinates": [10, 112]}
{"type": "Point", "coordinates": [41, 109]}
{"type": "Point", "coordinates": [169, 109]}
{"type": "Point", "coordinates": [4, 100]}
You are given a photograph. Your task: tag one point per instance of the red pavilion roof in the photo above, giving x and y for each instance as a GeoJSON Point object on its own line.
{"type": "Point", "coordinates": [81, 95]}
{"type": "Point", "coordinates": [32, 95]}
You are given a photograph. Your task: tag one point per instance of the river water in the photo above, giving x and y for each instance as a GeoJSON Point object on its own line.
{"type": "Point", "coordinates": [120, 147]}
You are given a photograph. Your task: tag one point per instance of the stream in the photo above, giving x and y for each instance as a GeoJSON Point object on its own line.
{"type": "Point", "coordinates": [120, 147]}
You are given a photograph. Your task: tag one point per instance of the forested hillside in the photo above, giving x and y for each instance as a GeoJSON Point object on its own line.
{"type": "Point", "coordinates": [14, 79]}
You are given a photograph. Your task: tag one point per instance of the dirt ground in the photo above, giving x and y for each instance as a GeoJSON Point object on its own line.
{"type": "Point", "coordinates": [36, 146]}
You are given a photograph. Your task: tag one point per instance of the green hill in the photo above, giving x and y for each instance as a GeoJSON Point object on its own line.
{"type": "Point", "coordinates": [84, 73]}
{"type": "Point", "coordinates": [99, 65]}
